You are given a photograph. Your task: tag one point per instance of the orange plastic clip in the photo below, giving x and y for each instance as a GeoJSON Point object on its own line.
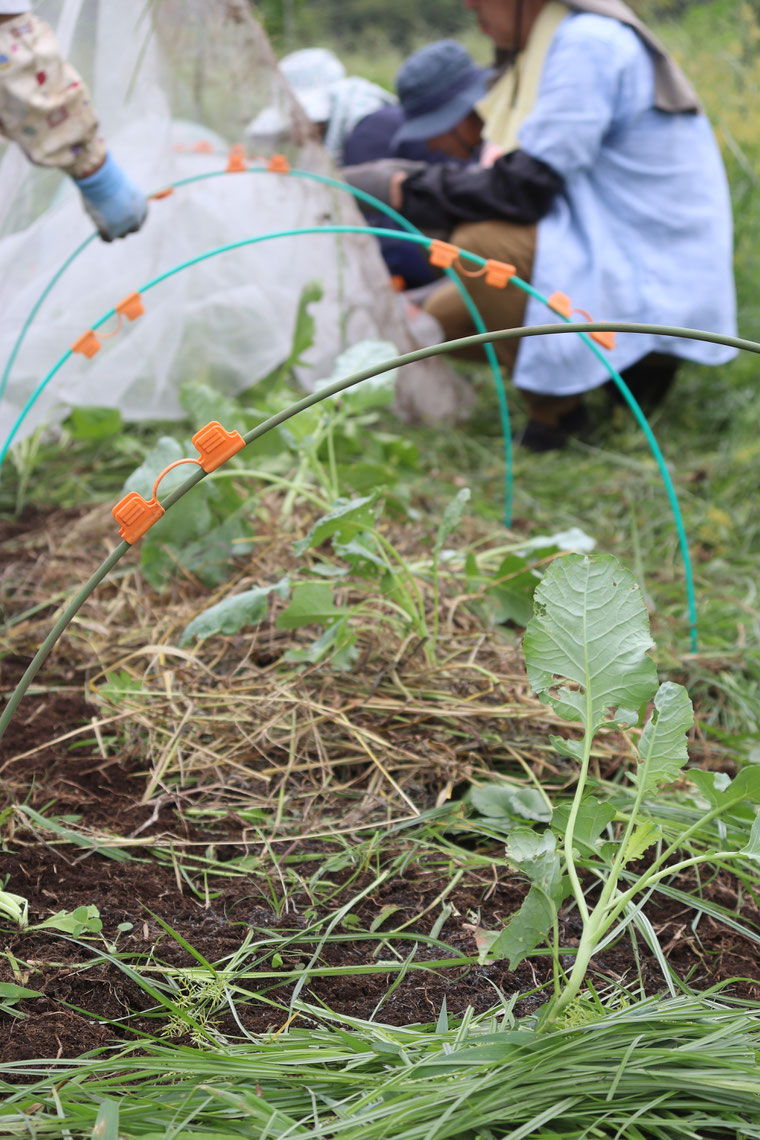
{"type": "Point", "coordinates": [88, 344]}
{"type": "Point", "coordinates": [443, 254]}
{"type": "Point", "coordinates": [205, 146]}
{"type": "Point", "coordinates": [499, 273]}
{"type": "Point", "coordinates": [236, 163]}
{"type": "Point", "coordinates": [159, 194]}
{"type": "Point", "coordinates": [606, 339]}
{"type": "Point", "coordinates": [136, 516]}
{"type": "Point", "coordinates": [278, 164]}
{"type": "Point", "coordinates": [131, 307]}
{"type": "Point", "coordinates": [561, 304]}
{"type": "Point", "coordinates": [216, 445]}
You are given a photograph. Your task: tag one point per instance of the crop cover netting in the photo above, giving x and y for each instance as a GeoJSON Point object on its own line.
{"type": "Point", "coordinates": [166, 76]}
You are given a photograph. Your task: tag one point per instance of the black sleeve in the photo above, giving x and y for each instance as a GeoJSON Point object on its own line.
{"type": "Point", "coordinates": [517, 188]}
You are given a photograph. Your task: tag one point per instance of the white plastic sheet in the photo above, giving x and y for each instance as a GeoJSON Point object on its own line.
{"type": "Point", "coordinates": [165, 77]}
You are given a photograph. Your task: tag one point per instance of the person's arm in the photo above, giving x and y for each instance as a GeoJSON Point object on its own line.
{"type": "Point", "coordinates": [45, 108]}
{"type": "Point", "coordinates": [517, 188]}
{"type": "Point", "coordinates": [564, 134]}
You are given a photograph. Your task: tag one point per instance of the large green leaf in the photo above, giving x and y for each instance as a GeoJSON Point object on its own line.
{"type": "Point", "coordinates": [511, 595]}
{"type": "Point", "coordinates": [312, 604]}
{"type": "Point", "coordinates": [526, 929]}
{"type": "Point", "coordinates": [374, 392]}
{"type": "Point", "coordinates": [345, 521]}
{"type": "Point", "coordinates": [231, 614]}
{"type": "Point", "coordinates": [591, 821]}
{"type": "Point", "coordinates": [499, 801]}
{"type": "Point", "coordinates": [537, 857]}
{"type": "Point", "coordinates": [94, 423]}
{"type": "Point", "coordinates": [204, 402]}
{"type": "Point", "coordinates": [591, 628]}
{"type": "Point", "coordinates": [720, 791]}
{"type": "Point", "coordinates": [662, 748]}
{"type": "Point", "coordinates": [167, 450]}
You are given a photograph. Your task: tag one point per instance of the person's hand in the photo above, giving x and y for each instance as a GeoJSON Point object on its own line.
{"type": "Point", "coordinates": [396, 192]}
{"type": "Point", "coordinates": [116, 205]}
{"type": "Point", "coordinates": [382, 179]}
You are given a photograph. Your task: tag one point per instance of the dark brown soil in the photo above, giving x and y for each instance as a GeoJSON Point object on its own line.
{"type": "Point", "coordinates": [87, 1002]}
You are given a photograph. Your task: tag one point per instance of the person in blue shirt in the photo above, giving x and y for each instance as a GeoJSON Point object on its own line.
{"type": "Point", "coordinates": [605, 183]}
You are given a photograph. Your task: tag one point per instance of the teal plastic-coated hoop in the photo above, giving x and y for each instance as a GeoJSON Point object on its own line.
{"type": "Point", "coordinates": [316, 397]}
{"type": "Point", "coordinates": [376, 204]}
{"type": "Point", "coordinates": [420, 240]}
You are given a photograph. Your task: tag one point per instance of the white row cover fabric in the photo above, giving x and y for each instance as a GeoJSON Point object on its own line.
{"type": "Point", "coordinates": [228, 319]}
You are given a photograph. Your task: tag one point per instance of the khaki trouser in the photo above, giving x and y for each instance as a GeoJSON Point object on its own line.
{"type": "Point", "coordinates": [499, 308]}
{"type": "Point", "coordinates": [44, 105]}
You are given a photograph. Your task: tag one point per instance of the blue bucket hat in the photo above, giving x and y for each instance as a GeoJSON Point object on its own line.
{"type": "Point", "coordinates": [437, 87]}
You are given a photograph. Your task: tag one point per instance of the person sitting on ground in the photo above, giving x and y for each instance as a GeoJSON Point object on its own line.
{"type": "Point", "coordinates": [609, 188]}
{"type": "Point", "coordinates": [381, 135]}
{"type": "Point", "coordinates": [357, 121]}
{"type": "Point", "coordinates": [334, 102]}
{"type": "Point", "coordinates": [46, 109]}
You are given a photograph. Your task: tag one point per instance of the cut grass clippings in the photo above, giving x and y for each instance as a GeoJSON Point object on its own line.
{"type": "Point", "coordinates": [668, 1069]}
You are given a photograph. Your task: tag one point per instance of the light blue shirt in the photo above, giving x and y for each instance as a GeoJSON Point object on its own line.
{"type": "Point", "coordinates": [642, 230]}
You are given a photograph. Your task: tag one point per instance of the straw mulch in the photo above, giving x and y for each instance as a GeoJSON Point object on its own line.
{"type": "Point", "coordinates": [227, 723]}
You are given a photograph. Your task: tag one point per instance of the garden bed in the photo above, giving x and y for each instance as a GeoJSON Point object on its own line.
{"type": "Point", "coordinates": [243, 846]}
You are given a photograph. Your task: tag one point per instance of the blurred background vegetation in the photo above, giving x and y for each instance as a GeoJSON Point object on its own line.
{"type": "Point", "coordinates": [349, 23]}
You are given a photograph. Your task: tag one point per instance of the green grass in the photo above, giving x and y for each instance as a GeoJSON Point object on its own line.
{"type": "Point", "coordinates": [660, 1069]}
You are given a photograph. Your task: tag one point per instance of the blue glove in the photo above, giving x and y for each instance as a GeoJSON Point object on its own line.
{"type": "Point", "coordinates": [115, 204]}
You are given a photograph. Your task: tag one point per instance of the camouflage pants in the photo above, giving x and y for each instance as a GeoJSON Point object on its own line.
{"type": "Point", "coordinates": [44, 105]}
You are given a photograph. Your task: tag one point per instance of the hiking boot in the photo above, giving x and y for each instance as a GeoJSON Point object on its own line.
{"type": "Point", "coordinates": [540, 438]}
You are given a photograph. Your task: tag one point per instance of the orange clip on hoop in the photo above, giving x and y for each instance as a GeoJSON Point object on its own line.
{"type": "Point", "coordinates": [443, 254]}
{"type": "Point", "coordinates": [278, 164]}
{"type": "Point", "coordinates": [561, 304]}
{"type": "Point", "coordinates": [606, 339]}
{"type": "Point", "coordinates": [136, 516]}
{"type": "Point", "coordinates": [131, 307]}
{"type": "Point", "coordinates": [236, 163]}
{"type": "Point", "coordinates": [88, 344]}
{"type": "Point", "coordinates": [159, 194]}
{"type": "Point", "coordinates": [499, 273]}
{"type": "Point", "coordinates": [216, 445]}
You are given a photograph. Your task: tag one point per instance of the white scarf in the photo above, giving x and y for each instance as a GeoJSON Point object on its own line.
{"type": "Point", "coordinates": [513, 96]}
